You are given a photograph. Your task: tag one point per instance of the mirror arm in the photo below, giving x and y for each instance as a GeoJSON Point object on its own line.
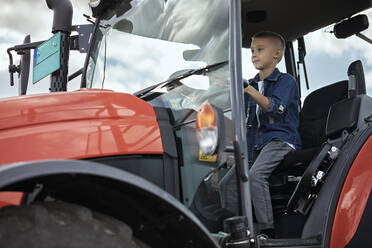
{"type": "Point", "coordinates": [19, 49]}
{"type": "Point", "coordinates": [305, 73]}
{"type": "Point", "coordinates": [301, 60]}
{"type": "Point", "coordinates": [363, 37]}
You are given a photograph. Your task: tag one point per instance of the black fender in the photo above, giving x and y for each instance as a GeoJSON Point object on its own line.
{"type": "Point", "coordinates": [155, 216]}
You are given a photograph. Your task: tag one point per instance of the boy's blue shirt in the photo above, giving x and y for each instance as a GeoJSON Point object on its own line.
{"type": "Point", "coordinates": [281, 119]}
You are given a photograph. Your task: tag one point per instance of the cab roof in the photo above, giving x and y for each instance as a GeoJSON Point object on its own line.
{"type": "Point", "coordinates": [294, 18]}
{"type": "Point", "coordinates": [291, 18]}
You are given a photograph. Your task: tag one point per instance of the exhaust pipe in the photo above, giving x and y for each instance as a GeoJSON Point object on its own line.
{"type": "Point", "coordinates": [62, 18]}
{"type": "Point", "coordinates": [62, 22]}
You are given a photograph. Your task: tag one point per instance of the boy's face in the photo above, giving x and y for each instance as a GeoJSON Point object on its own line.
{"type": "Point", "coordinates": [266, 53]}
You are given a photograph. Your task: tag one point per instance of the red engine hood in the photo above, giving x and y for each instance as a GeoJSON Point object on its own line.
{"type": "Point", "coordinates": [73, 125]}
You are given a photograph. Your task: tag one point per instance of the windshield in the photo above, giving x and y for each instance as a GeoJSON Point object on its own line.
{"type": "Point", "coordinates": [174, 55]}
{"type": "Point", "coordinates": [142, 43]}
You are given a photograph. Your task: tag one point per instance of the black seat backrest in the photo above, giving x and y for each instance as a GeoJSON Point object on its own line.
{"type": "Point", "coordinates": [357, 84]}
{"type": "Point", "coordinates": [313, 116]}
{"type": "Point", "coordinates": [344, 115]}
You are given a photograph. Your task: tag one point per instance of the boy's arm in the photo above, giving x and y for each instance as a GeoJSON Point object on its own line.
{"type": "Point", "coordinates": [260, 99]}
{"type": "Point", "coordinates": [278, 101]}
{"type": "Point", "coordinates": [283, 93]}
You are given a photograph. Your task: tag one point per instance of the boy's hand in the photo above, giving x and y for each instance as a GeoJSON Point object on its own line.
{"type": "Point", "coordinates": [260, 99]}
{"type": "Point", "coordinates": [249, 90]}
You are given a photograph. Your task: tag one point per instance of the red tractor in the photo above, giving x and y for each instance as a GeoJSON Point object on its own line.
{"type": "Point", "coordinates": [151, 151]}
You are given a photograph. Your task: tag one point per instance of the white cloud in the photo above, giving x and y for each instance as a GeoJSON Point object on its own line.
{"type": "Point", "coordinates": [328, 57]}
{"type": "Point", "coordinates": [19, 18]}
{"type": "Point", "coordinates": [137, 62]}
{"type": "Point", "coordinates": [323, 41]}
{"type": "Point", "coordinates": [368, 77]}
{"type": "Point", "coordinates": [26, 16]}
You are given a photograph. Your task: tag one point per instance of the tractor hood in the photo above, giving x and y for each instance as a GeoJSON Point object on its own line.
{"type": "Point", "coordinates": [73, 125]}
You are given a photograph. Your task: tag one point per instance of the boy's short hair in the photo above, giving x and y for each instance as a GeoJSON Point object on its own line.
{"type": "Point", "coordinates": [270, 34]}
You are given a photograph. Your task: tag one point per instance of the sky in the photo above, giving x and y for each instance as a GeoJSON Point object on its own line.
{"type": "Point", "coordinates": [327, 58]}
{"type": "Point", "coordinates": [21, 17]}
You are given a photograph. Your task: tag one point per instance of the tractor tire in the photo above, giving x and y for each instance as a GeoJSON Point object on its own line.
{"type": "Point", "coordinates": [57, 225]}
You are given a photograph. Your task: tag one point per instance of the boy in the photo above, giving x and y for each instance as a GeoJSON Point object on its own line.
{"type": "Point", "coordinates": [272, 104]}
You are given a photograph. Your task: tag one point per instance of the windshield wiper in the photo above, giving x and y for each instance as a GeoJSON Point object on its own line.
{"type": "Point", "coordinates": [186, 74]}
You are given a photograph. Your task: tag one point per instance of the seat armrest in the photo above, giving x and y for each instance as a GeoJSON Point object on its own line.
{"type": "Point", "coordinates": [342, 116]}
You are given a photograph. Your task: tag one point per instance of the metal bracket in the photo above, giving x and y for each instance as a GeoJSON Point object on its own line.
{"type": "Point", "coordinates": [81, 41]}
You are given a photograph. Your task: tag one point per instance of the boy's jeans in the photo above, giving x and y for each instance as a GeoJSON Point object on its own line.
{"type": "Point", "coordinates": [269, 158]}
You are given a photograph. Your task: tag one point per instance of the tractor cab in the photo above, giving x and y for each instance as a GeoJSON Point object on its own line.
{"type": "Point", "coordinates": [184, 51]}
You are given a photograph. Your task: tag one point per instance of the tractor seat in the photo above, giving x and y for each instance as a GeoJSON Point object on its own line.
{"type": "Point", "coordinates": [326, 114]}
{"type": "Point", "coordinates": [313, 119]}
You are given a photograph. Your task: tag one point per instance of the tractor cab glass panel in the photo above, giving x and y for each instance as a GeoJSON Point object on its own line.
{"type": "Point", "coordinates": [327, 62]}
{"type": "Point", "coordinates": [174, 55]}
{"type": "Point", "coordinates": [142, 43]}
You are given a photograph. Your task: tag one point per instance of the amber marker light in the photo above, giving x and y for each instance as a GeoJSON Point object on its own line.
{"type": "Point", "coordinates": [206, 129]}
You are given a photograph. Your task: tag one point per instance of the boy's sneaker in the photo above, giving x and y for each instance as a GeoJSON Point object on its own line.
{"type": "Point", "coordinates": [270, 233]}
{"type": "Point", "coordinates": [262, 236]}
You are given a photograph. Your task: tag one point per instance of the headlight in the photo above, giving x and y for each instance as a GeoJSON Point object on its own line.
{"type": "Point", "coordinates": [207, 129]}
{"type": "Point", "coordinates": [94, 3]}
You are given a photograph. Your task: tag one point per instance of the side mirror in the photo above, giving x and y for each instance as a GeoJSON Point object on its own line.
{"type": "Point", "coordinates": [351, 26]}
{"type": "Point", "coordinates": [124, 25]}
{"type": "Point", "coordinates": [191, 55]}
{"type": "Point", "coordinates": [24, 69]}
